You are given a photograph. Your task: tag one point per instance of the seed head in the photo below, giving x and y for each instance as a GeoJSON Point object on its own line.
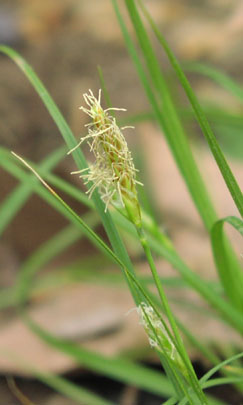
{"type": "Point", "coordinates": [157, 334]}
{"type": "Point", "coordinates": [113, 171]}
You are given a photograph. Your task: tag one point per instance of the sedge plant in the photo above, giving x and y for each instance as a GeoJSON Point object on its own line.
{"type": "Point", "coordinates": [112, 193]}
{"type": "Point", "coordinates": [114, 174]}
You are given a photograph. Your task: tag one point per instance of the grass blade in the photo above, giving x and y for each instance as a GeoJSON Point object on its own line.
{"type": "Point", "coordinates": [162, 247]}
{"type": "Point", "coordinates": [166, 115]}
{"type": "Point", "coordinates": [165, 249]}
{"type": "Point", "coordinates": [59, 384]}
{"type": "Point", "coordinates": [62, 207]}
{"type": "Point", "coordinates": [223, 381]}
{"type": "Point", "coordinates": [117, 368]}
{"type": "Point", "coordinates": [70, 390]}
{"type": "Point", "coordinates": [231, 276]}
{"type": "Point", "coordinates": [202, 120]}
{"type": "Point", "coordinates": [216, 75]}
{"type": "Point", "coordinates": [14, 202]}
{"type": "Point", "coordinates": [78, 156]}
{"type": "Point", "coordinates": [219, 366]}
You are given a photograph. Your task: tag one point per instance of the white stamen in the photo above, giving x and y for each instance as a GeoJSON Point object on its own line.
{"type": "Point", "coordinates": [128, 127]}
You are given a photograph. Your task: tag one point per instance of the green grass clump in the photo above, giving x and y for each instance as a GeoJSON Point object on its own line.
{"type": "Point", "coordinates": [180, 385]}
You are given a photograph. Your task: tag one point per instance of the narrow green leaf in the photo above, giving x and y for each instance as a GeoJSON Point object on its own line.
{"type": "Point", "coordinates": [70, 390]}
{"type": "Point", "coordinates": [216, 75]}
{"type": "Point", "coordinates": [162, 247]}
{"type": "Point", "coordinates": [227, 311]}
{"type": "Point", "coordinates": [165, 249]}
{"type": "Point", "coordinates": [78, 156]}
{"type": "Point", "coordinates": [215, 113]}
{"type": "Point", "coordinates": [59, 384]}
{"type": "Point", "coordinates": [223, 381]}
{"type": "Point", "coordinates": [206, 210]}
{"type": "Point", "coordinates": [231, 276]}
{"type": "Point", "coordinates": [201, 118]}
{"type": "Point", "coordinates": [117, 368]}
{"type": "Point", "coordinates": [56, 201]}
{"type": "Point", "coordinates": [179, 383]}
{"type": "Point", "coordinates": [218, 367]}
{"type": "Point", "coordinates": [13, 202]}
{"type": "Point", "coordinates": [167, 115]}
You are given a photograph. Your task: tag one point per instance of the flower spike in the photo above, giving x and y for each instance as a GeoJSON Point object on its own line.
{"type": "Point", "coordinates": [113, 172]}
{"type": "Point", "coordinates": [158, 337]}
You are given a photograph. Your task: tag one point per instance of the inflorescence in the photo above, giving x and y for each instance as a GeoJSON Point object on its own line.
{"type": "Point", "coordinates": [113, 171]}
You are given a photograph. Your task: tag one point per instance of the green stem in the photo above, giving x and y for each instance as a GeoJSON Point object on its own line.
{"type": "Point", "coordinates": [157, 281]}
{"type": "Point", "coordinates": [178, 341]}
